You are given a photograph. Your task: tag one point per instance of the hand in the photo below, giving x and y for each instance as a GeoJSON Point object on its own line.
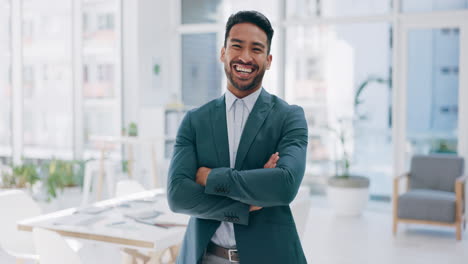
{"type": "Point", "coordinates": [202, 175]}
{"type": "Point", "coordinates": [271, 163]}
{"type": "Point", "coordinates": [254, 208]}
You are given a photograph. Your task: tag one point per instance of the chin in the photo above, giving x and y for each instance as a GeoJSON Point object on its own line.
{"type": "Point", "coordinates": [245, 87]}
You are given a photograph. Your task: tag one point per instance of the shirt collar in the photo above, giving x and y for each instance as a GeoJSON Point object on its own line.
{"type": "Point", "coordinates": [249, 100]}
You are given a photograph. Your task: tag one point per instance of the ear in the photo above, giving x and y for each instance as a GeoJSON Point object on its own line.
{"type": "Point", "coordinates": [269, 59]}
{"type": "Point", "coordinates": [223, 52]}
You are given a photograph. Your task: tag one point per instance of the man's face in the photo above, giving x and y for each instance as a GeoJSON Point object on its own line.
{"type": "Point", "coordinates": [245, 57]}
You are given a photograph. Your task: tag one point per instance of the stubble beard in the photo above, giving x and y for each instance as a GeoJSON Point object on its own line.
{"type": "Point", "coordinates": [250, 86]}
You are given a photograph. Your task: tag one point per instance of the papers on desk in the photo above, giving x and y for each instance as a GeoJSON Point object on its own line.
{"type": "Point", "coordinates": [94, 209]}
{"type": "Point", "coordinates": [167, 221]}
{"type": "Point", "coordinates": [144, 215]}
{"type": "Point", "coordinates": [173, 219]}
{"type": "Point", "coordinates": [137, 204]}
{"type": "Point", "coordinates": [78, 220]}
{"type": "Point", "coordinates": [158, 223]}
{"type": "Point", "coordinates": [123, 225]}
{"type": "Point", "coordinates": [140, 211]}
{"type": "Point", "coordinates": [152, 199]}
{"type": "Point", "coordinates": [157, 218]}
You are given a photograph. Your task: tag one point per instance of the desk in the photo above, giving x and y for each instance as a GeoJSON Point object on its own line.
{"type": "Point", "coordinates": [112, 223]}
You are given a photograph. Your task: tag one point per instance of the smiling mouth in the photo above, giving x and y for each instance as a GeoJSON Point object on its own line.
{"type": "Point", "coordinates": [243, 70]}
{"type": "Point", "coordinates": [239, 68]}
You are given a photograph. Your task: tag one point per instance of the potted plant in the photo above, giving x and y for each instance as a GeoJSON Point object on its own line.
{"type": "Point", "coordinates": [62, 181]}
{"type": "Point", "coordinates": [347, 194]}
{"type": "Point", "coordinates": [132, 129]}
{"type": "Point", "coordinates": [19, 176]}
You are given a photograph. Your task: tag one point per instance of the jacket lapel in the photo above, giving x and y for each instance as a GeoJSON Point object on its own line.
{"type": "Point", "coordinates": [255, 121]}
{"type": "Point", "coordinates": [220, 134]}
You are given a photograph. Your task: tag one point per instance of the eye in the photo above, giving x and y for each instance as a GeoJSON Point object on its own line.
{"type": "Point", "coordinates": [236, 46]}
{"type": "Point", "coordinates": [257, 50]}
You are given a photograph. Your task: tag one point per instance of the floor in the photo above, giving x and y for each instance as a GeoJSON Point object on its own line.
{"type": "Point", "coordinates": [355, 240]}
{"type": "Point", "coordinates": [368, 239]}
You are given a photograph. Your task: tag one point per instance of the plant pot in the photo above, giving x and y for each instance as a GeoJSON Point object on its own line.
{"type": "Point", "coordinates": [348, 195]}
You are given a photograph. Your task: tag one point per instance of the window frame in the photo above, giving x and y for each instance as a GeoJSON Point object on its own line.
{"type": "Point", "coordinates": [17, 75]}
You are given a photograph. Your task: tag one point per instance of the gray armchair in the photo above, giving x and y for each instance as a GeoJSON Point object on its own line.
{"type": "Point", "coordinates": [434, 193]}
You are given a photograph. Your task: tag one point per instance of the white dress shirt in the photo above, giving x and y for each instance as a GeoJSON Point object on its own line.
{"type": "Point", "coordinates": [237, 112]}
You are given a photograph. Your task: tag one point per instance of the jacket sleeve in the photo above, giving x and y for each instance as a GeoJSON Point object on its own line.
{"type": "Point", "coordinates": [268, 187]}
{"type": "Point", "coordinates": [186, 196]}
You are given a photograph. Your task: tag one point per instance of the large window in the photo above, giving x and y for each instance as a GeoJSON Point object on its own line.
{"type": "Point", "coordinates": [69, 77]}
{"type": "Point", "coordinates": [340, 75]}
{"type": "Point", "coordinates": [201, 78]}
{"type": "Point", "coordinates": [202, 75]}
{"type": "Point", "coordinates": [101, 64]}
{"type": "Point", "coordinates": [217, 11]}
{"type": "Point", "coordinates": [336, 59]}
{"type": "Point", "coordinates": [432, 93]}
{"type": "Point", "coordinates": [432, 5]}
{"type": "Point", "coordinates": [199, 12]}
{"type": "Point", "coordinates": [47, 79]}
{"type": "Point", "coordinates": [5, 79]}
{"type": "Point", "coordinates": [336, 8]}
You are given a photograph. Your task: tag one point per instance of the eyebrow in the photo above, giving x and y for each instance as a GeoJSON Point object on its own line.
{"type": "Point", "coordinates": [254, 43]}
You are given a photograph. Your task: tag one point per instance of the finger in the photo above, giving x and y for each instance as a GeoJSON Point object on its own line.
{"type": "Point", "coordinates": [274, 156]}
{"type": "Point", "coordinates": [275, 162]}
{"type": "Point", "coordinates": [269, 163]}
{"type": "Point", "coordinates": [273, 159]}
{"type": "Point", "coordinates": [254, 208]}
{"type": "Point", "coordinates": [272, 162]}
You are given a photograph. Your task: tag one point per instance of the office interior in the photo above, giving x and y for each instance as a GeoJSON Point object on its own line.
{"type": "Point", "coordinates": [92, 93]}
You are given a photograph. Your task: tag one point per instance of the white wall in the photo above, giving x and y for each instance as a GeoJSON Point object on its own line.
{"type": "Point", "coordinates": [148, 38]}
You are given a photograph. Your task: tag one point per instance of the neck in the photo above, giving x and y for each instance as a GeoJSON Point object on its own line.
{"type": "Point", "coordinates": [241, 94]}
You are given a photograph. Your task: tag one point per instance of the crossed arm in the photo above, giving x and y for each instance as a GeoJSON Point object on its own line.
{"type": "Point", "coordinates": [275, 184]}
{"type": "Point", "coordinates": [203, 172]}
{"type": "Point", "coordinates": [185, 195]}
{"type": "Point", "coordinates": [266, 187]}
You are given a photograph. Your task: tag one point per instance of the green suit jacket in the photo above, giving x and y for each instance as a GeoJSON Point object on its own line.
{"type": "Point", "coordinates": [265, 236]}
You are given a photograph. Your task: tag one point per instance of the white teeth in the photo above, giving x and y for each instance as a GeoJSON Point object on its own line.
{"type": "Point", "coordinates": [241, 69]}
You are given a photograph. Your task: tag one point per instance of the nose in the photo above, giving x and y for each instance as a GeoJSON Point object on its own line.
{"type": "Point", "coordinates": [245, 56]}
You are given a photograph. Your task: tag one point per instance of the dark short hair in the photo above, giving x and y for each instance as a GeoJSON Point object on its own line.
{"type": "Point", "coordinates": [253, 17]}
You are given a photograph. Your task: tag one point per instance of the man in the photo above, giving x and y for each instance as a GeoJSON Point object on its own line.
{"type": "Point", "coordinates": [239, 160]}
